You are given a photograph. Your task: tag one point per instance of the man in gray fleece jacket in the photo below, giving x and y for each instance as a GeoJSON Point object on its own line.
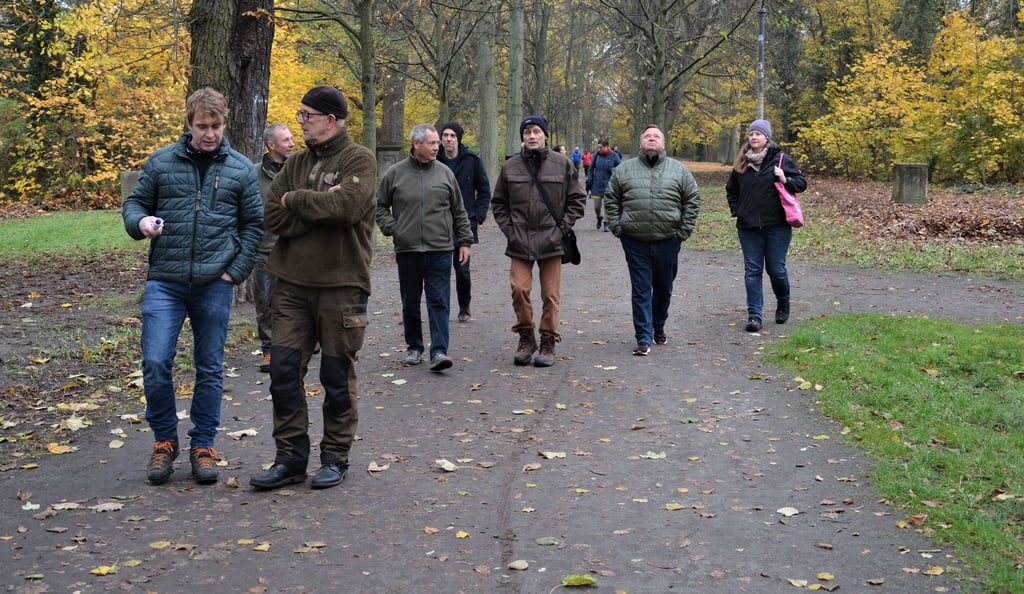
{"type": "Point", "coordinates": [420, 206]}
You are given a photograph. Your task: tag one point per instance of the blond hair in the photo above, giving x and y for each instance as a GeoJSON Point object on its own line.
{"type": "Point", "coordinates": [206, 100]}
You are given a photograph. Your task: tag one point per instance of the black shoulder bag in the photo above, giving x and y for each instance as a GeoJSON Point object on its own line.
{"type": "Point", "coordinates": [570, 251]}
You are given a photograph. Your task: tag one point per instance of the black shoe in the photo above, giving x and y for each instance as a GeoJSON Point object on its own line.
{"type": "Point", "coordinates": [265, 365]}
{"type": "Point", "coordinates": [161, 463]}
{"type": "Point", "coordinates": [754, 325]}
{"type": "Point", "coordinates": [203, 461]}
{"type": "Point", "coordinates": [463, 314]}
{"type": "Point", "coordinates": [660, 337]}
{"type": "Point", "coordinates": [413, 357]}
{"type": "Point", "coordinates": [440, 361]}
{"type": "Point", "coordinates": [279, 475]}
{"type": "Point", "coordinates": [782, 313]}
{"type": "Point", "coordinates": [599, 220]}
{"type": "Point", "coordinates": [329, 475]}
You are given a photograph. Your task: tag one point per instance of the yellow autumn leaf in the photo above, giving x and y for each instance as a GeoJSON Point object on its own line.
{"type": "Point", "coordinates": [245, 541]}
{"type": "Point", "coordinates": [934, 570]}
{"type": "Point", "coordinates": [798, 583]}
{"type": "Point", "coordinates": [674, 506]}
{"type": "Point", "coordinates": [826, 576]}
{"type": "Point", "coordinates": [160, 544]}
{"type": "Point", "coordinates": [133, 563]}
{"type": "Point", "coordinates": [56, 448]}
{"type": "Point", "coordinates": [462, 534]}
{"type": "Point", "coordinates": [262, 547]}
{"type": "Point", "coordinates": [104, 570]}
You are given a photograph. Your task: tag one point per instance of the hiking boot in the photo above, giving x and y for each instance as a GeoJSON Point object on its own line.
{"type": "Point", "coordinates": [527, 347]}
{"type": "Point", "coordinates": [202, 461]}
{"type": "Point", "coordinates": [265, 365]}
{"type": "Point", "coordinates": [599, 220]}
{"type": "Point", "coordinates": [161, 463]}
{"type": "Point", "coordinates": [546, 356]}
{"type": "Point", "coordinates": [660, 337]}
{"type": "Point", "coordinates": [782, 313]}
{"type": "Point", "coordinates": [754, 325]}
{"type": "Point", "coordinates": [642, 349]}
{"type": "Point", "coordinates": [440, 361]}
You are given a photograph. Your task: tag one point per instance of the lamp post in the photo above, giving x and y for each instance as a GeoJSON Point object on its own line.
{"type": "Point", "coordinates": [760, 61]}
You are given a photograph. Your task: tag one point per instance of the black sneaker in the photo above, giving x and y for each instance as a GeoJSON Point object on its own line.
{"type": "Point", "coordinates": [642, 349]}
{"type": "Point", "coordinates": [660, 337]}
{"type": "Point", "coordinates": [754, 325]}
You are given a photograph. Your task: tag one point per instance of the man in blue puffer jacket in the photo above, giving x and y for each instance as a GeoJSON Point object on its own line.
{"type": "Point", "coordinates": [198, 201]}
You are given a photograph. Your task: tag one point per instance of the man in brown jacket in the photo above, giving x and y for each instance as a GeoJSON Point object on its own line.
{"type": "Point", "coordinates": [321, 205]}
{"type": "Point", "coordinates": [533, 234]}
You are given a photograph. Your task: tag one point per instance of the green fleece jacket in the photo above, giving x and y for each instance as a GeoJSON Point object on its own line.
{"type": "Point", "coordinates": [420, 206]}
{"type": "Point", "coordinates": [325, 238]}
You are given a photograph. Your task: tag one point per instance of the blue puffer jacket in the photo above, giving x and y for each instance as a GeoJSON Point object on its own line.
{"type": "Point", "coordinates": [209, 229]}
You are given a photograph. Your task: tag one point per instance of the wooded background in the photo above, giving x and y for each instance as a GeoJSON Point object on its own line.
{"type": "Point", "coordinates": [90, 88]}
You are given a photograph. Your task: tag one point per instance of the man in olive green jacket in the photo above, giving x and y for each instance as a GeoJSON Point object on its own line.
{"type": "Point", "coordinates": [651, 204]}
{"type": "Point", "coordinates": [321, 207]}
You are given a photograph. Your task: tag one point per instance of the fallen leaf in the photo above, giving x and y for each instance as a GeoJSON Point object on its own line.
{"type": "Point", "coordinates": [104, 570]}
{"type": "Point", "coordinates": [519, 565]}
{"type": "Point", "coordinates": [462, 534]}
{"type": "Point", "coordinates": [787, 511]}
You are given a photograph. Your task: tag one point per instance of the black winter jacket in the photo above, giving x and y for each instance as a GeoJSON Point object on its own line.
{"type": "Point", "coordinates": [752, 196]}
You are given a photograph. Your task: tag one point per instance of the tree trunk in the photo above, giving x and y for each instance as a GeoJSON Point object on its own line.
{"type": "Point", "coordinates": [514, 101]}
{"type": "Point", "coordinates": [231, 43]}
{"type": "Point", "coordinates": [368, 75]}
{"type": "Point", "coordinates": [488, 129]}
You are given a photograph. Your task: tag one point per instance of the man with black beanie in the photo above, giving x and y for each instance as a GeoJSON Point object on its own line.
{"type": "Point", "coordinates": [469, 171]}
{"type": "Point", "coordinates": [321, 206]}
{"type": "Point", "coordinates": [528, 179]}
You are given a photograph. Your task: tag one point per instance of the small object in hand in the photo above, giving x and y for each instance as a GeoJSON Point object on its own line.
{"type": "Point", "coordinates": [158, 222]}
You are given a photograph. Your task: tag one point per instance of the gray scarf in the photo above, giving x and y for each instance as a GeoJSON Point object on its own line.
{"type": "Point", "coordinates": [755, 159]}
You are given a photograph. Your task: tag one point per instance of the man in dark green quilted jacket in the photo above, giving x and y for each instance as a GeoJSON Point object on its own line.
{"type": "Point", "coordinates": [198, 202]}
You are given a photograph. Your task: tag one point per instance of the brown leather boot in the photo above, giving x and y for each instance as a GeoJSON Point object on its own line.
{"type": "Point", "coordinates": [546, 356]}
{"type": "Point", "coordinates": [527, 347]}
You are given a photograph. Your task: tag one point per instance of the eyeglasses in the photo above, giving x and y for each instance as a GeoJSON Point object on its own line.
{"type": "Point", "coordinates": [304, 115]}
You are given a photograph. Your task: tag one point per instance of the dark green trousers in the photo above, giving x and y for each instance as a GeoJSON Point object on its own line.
{"type": "Point", "coordinates": [302, 317]}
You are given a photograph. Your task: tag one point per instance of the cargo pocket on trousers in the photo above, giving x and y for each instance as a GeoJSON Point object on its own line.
{"type": "Point", "coordinates": [354, 320]}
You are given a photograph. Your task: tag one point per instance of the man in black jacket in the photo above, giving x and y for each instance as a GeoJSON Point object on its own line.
{"type": "Point", "coordinates": [469, 171]}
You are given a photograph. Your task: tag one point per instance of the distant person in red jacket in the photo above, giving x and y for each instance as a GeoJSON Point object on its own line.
{"type": "Point", "coordinates": [586, 162]}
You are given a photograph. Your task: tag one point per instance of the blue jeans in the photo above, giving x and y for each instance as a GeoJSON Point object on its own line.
{"type": "Point", "coordinates": [429, 272]}
{"type": "Point", "coordinates": [652, 270]}
{"type": "Point", "coordinates": [765, 249]}
{"type": "Point", "coordinates": [164, 308]}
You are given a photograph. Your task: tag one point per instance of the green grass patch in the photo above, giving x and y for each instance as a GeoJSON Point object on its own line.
{"type": "Point", "coordinates": [941, 407]}
{"type": "Point", "coordinates": [838, 244]}
{"type": "Point", "coordinates": [80, 233]}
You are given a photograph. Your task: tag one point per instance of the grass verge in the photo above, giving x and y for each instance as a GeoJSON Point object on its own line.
{"type": "Point", "coordinates": [941, 407]}
{"type": "Point", "coordinates": [829, 242]}
{"type": "Point", "coordinates": [78, 232]}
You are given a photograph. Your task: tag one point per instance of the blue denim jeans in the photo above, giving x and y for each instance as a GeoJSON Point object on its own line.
{"type": "Point", "coordinates": [652, 270]}
{"type": "Point", "coordinates": [765, 249]}
{"type": "Point", "coordinates": [164, 308]}
{"type": "Point", "coordinates": [429, 272]}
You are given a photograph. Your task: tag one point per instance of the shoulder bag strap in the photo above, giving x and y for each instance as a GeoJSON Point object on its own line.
{"type": "Point", "coordinates": [547, 199]}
